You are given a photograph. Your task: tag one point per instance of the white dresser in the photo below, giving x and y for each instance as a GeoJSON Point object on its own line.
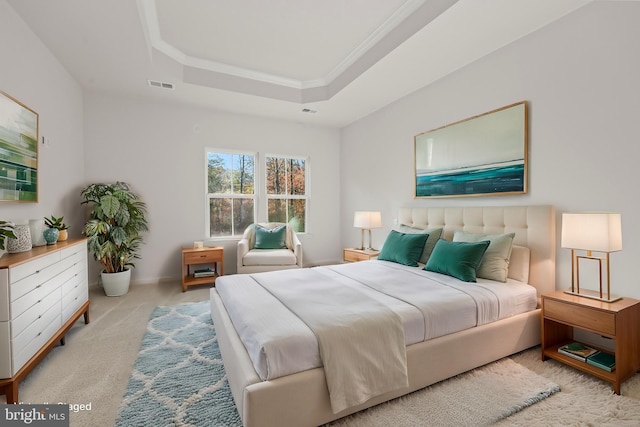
{"type": "Point", "coordinates": [42, 294]}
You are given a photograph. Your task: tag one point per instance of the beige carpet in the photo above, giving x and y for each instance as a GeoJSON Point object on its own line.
{"type": "Point", "coordinates": [95, 364]}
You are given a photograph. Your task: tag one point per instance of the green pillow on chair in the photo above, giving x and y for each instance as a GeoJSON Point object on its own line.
{"type": "Point", "coordinates": [273, 238]}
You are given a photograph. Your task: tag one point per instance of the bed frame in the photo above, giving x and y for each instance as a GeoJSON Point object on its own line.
{"type": "Point", "coordinates": [302, 399]}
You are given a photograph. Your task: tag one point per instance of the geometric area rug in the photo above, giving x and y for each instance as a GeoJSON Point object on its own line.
{"type": "Point", "coordinates": [179, 380]}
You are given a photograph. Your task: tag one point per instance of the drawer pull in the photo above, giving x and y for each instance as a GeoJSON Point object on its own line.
{"type": "Point", "coordinates": [39, 333]}
{"type": "Point", "coordinates": [37, 271]}
{"type": "Point", "coordinates": [39, 286]}
{"type": "Point", "coordinates": [40, 317]}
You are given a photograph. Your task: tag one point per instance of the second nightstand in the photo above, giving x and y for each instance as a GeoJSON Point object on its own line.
{"type": "Point", "coordinates": [207, 255]}
{"type": "Point", "coordinates": [353, 254]}
{"type": "Point", "coordinates": [618, 320]}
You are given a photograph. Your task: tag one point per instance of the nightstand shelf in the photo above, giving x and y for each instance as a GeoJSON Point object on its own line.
{"type": "Point", "coordinates": [619, 321]}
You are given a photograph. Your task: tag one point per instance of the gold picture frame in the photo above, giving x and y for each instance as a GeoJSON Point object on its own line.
{"type": "Point", "coordinates": [19, 127]}
{"type": "Point", "coordinates": [484, 155]}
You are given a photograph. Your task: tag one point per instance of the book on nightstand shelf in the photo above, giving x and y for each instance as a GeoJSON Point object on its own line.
{"type": "Point", "coordinates": [205, 272]}
{"type": "Point", "coordinates": [577, 351]}
{"type": "Point", "coordinates": [603, 360]}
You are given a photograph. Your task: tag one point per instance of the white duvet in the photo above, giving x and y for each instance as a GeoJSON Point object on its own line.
{"type": "Point", "coordinates": [428, 305]}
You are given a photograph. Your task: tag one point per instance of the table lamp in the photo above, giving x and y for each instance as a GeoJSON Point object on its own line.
{"type": "Point", "coordinates": [367, 221]}
{"type": "Point", "coordinates": [591, 232]}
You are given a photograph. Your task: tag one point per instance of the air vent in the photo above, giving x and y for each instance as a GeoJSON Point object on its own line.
{"type": "Point", "coordinates": [163, 85]}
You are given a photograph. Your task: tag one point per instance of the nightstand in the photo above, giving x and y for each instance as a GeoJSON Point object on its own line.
{"type": "Point", "coordinates": [618, 320]}
{"type": "Point", "coordinates": [354, 255]}
{"type": "Point", "coordinates": [208, 255]}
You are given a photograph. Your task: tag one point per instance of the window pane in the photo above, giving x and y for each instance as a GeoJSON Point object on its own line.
{"type": "Point", "coordinates": [243, 215]}
{"type": "Point", "coordinates": [277, 210]}
{"type": "Point", "coordinates": [297, 168]}
{"type": "Point", "coordinates": [243, 171]}
{"type": "Point", "coordinates": [297, 215]}
{"type": "Point", "coordinates": [219, 172]}
{"type": "Point", "coordinates": [276, 176]}
{"type": "Point", "coordinates": [219, 217]}
{"type": "Point", "coordinates": [230, 173]}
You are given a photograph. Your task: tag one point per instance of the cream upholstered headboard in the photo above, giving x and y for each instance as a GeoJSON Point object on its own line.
{"type": "Point", "coordinates": [534, 226]}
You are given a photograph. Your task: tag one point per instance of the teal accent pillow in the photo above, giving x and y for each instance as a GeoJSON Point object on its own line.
{"type": "Point", "coordinates": [403, 248]}
{"type": "Point", "coordinates": [270, 238]}
{"type": "Point", "coordinates": [457, 259]}
{"type": "Point", "coordinates": [495, 263]}
{"type": "Point", "coordinates": [434, 236]}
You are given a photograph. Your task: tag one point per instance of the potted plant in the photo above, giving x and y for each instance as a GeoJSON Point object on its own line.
{"type": "Point", "coordinates": [57, 224]}
{"type": "Point", "coordinates": [113, 232]}
{"type": "Point", "coordinates": [6, 231]}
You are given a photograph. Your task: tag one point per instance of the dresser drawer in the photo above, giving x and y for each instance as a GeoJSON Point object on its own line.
{"type": "Point", "coordinates": [35, 312]}
{"type": "Point", "coordinates": [72, 302]}
{"type": "Point", "coordinates": [37, 277]}
{"type": "Point", "coordinates": [21, 271]}
{"type": "Point", "coordinates": [5, 350]}
{"type": "Point", "coordinates": [597, 321]}
{"type": "Point", "coordinates": [33, 297]}
{"type": "Point", "coordinates": [35, 336]}
{"type": "Point", "coordinates": [204, 257]}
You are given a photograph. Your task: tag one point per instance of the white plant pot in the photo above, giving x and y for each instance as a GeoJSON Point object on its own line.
{"type": "Point", "coordinates": [116, 284]}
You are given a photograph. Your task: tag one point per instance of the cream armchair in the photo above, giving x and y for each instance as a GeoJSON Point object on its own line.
{"type": "Point", "coordinates": [251, 260]}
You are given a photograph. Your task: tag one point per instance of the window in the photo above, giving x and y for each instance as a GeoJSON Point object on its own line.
{"type": "Point", "coordinates": [230, 193]}
{"type": "Point", "coordinates": [286, 191]}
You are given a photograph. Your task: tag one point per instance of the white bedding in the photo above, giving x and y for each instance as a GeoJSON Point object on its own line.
{"type": "Point", "coordinates": [428, 304]}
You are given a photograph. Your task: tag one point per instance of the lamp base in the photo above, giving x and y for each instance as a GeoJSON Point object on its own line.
{"type": "Point", "coordinates": [593, 295]}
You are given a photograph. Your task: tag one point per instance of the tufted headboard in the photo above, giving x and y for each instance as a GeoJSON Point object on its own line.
{"type": "Point", "coordinates": [534, 226]}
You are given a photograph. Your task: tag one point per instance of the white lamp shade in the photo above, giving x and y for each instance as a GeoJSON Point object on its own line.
{"type": "Point", "coordinates": [367, 220]}
{"type": "Point", "coordinates": [592, 231]}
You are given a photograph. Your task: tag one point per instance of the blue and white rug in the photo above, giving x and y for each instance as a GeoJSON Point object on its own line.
{"type": "Point", "coordinates": [178, 378]}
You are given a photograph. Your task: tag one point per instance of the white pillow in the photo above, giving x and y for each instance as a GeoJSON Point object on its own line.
{"type": "Point", "coordinates": [495, 263]}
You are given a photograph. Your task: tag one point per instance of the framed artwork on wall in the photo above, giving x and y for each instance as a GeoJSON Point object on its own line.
{"type": "Point", "coordinates": [18, 151]}
{"type": "Point", "coordinates": [485, 155]}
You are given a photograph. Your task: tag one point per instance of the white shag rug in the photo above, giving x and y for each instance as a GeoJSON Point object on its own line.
{"type": "Point", "coordinates": [476, 398]}
{"type": "Point", "coordinates": [583, 401]}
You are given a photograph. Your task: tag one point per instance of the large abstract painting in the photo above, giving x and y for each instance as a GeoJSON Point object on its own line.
{"type": "Point", "coordinates": [18, 151]}
{"type": "Point", "coordinates": [485, 155]}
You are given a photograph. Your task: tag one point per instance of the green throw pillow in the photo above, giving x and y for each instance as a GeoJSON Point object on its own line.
{"type": "Point", "coordinates": [434, 236]}
{"type": "Point", "coordinates": [457, 259]}
{"type": "Point", "coordinates": [495, 263]}
{"type": "Point", "coordinates": [270, 238]}
{"type": "Point", "coordinates": [403, 248]}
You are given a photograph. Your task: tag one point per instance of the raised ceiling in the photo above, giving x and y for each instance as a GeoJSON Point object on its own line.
{"type": "Point", "coordinates": [340, 60]}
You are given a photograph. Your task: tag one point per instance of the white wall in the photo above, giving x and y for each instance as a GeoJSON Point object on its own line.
{"type": "Point", "coordinates": [159, 150]}
{"type": "Point", "coordinates": [32, 75]}
{"type": "Point", "coordinates": [581, 76]}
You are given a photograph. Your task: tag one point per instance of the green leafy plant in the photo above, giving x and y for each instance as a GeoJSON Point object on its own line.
{"type": "Point", "coordinates": [54, 222]}
{"type": "Point", "coordinates": [115, 224]}
{"type": "Point", "coordinates": [6, 231]}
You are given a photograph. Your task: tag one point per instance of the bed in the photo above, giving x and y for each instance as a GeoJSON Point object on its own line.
{"type": "Point", "coordinates": [302, 398]}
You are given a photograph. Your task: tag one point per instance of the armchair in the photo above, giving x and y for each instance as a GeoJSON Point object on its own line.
{"type": "Point", "coordinates": [252, 260]}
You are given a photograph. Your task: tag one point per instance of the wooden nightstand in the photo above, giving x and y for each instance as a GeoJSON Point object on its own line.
{"type": "Point", "coordinates": [619, 321]}
{"type": "Point", "coordinates": [191, 256]}
{"type": "Point", "coordinates": [354, 255]}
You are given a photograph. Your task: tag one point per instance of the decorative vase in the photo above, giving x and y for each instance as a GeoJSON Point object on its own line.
{"type": "Point", "coordinates": [36, 228]}
{"type": "Point", "coordinates": [116, 284]}
{"type": "Point", "coordinates": [51, 235]}
{"type": "Point", "coordinates": [64, 235]}
{"type": "Point", "coordinates": [22, 242]}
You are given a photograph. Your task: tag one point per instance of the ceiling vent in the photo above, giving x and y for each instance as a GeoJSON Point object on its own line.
{"type": "Point", "coordinates": [163, 85]}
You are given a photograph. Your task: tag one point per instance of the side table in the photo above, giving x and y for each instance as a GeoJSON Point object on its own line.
{"type": "Point", "coordinates": [208, 255]}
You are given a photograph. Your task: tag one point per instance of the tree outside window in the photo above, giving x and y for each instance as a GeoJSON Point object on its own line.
{"type": "Point", "coordinates": [230, 192]}
{"type": "Point", "coordinates": [286, 191]}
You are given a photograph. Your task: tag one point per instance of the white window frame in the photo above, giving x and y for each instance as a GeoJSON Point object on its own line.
{"type": "Point", "coordinates": [306, 196]}
{"type": "Point", "coordinates": [209, 196]}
